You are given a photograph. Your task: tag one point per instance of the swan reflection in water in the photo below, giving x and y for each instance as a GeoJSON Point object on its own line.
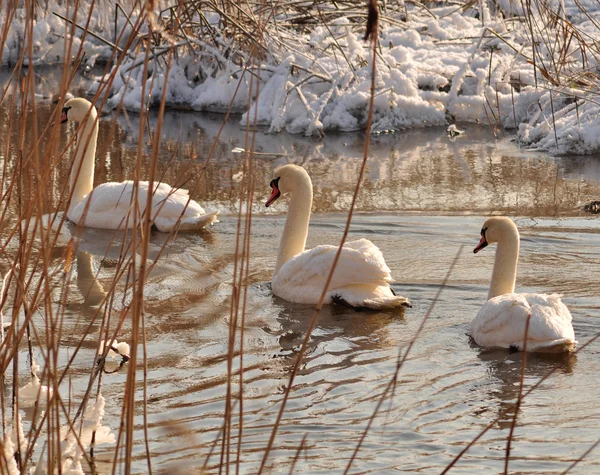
{"type": "Point", "coordinates": [342, 330]}
{"type": "Point", "coordinates": [94, 297]}
{"type": "Point", "coordinates": [108, 247]}
{"type": "Point", "coordinates": [505, 371]}
{"type": "Point", "coordinates": [91, 289]}
{"type": "Point", "coordinates": [359, 327]}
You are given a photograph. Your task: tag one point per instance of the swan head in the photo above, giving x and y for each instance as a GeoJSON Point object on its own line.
{"type": "Point", "coordinates": [76, 110]}
{"type": "Point", "coordinates": [286, 179]}
{"type": "Point", "coordinates": [495, 230]}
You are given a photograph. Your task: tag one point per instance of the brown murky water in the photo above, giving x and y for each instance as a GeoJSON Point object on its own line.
{"type": "Point", "coordinates": [424, 196]}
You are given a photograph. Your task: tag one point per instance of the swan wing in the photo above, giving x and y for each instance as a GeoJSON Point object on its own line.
{"type": "Point", "coordinates": [360, 262]}
{"type": "Point", "coordinates": [551, 320]}
{"type": "Point", "coordinates": [361, 277]}
{"type": "Point", "coordinates": [109, 206]}
{"type": "Point", "coordinates": [494, 323]}
{"type": "Point", "coordinates": [502, 320]}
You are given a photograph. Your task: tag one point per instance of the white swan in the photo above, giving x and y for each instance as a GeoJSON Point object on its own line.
{"type": "Point", "coordinates": [502, 320]}
{"type": "Point", "coordinates": [361, 278]}
{"type": "Point", "coordinates": [109, 206]}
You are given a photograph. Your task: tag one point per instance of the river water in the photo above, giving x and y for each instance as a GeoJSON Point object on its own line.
{"type": "Point", "coordinates": [424, 196]}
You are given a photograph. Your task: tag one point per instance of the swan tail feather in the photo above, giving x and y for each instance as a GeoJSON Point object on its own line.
{"type": "Point", "coordinates": [382, 303]}
{"type": "Point", "coordinates": [187, 223]}
{"type": "Point", "coordinates": [199, 222]}
{"type": "Point", "coordinates": [560, 345]}
{"type": "Point", "coordinates": [365, 297]}
{"type": "Point", "coordinates": [339, 300]}
{"type": "Point", "coordinates": [372, 304]}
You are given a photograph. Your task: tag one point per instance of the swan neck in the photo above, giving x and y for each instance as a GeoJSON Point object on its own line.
{"type": "Point", "coordinates": [295, 231]}
{"type": "Point", "coordinates": [82, 173]}
{"type": "Point", "coordinates": [504, 274]}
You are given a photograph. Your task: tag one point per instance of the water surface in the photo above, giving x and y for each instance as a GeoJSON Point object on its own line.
{"type": "Point", "coordinates": [424, 196]}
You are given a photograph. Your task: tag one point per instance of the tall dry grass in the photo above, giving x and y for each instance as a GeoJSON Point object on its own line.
{"type": "Point", "coordinates": [37, 267]}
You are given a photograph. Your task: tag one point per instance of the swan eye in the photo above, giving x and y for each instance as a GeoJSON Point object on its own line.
{"type": "Point", "coordinates": [275, 182]}
{"type": "Point", "coordinates": [483, 230]}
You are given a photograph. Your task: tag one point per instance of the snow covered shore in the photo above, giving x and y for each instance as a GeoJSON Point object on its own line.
{"type": "Point", "coordinates": [437, 64]}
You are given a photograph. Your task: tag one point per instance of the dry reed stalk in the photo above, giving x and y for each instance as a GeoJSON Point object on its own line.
{"type": "Point", "coordinates": [91, 33]}
{"type": "Point", "coordinates": [233, 312]}
{"type": "Point", "coordinates": [350, 65]}
{"type": "Point", "coordinates": [33, 295]}
{"type": "Point", "coordinates": [240, 279]}
{"type": "Point", "coordinates": [8, 20]}
{"type": "Point", "coordinates": [233, 315]}
{"type": "Point", "coordinates": [24, 257]}
{"type": "Point", "coordinates": [220, 435]}
{"type": "Point", "coordinates": [581, 457]}
{"type": "Point", "coordinates": [240, 284]}
{"type": "Point", "coordinates": [402, 359]}
{"type": "Point", "coordinates": [25, 90]}
{"type": "Point", "coordinates": [55, 453]}
{"type": "Point", "coordinates": [145, 244]}
{"type": "Point", "coordinates": [512, 98]}
{"type": "Point", "coordinates": [297, 455]}
{"type": "Point", "coordinates": [553, 121]}
{"type": "Point", "coordinates": [138, 283]}
{"type": "Point", "coordinates": [245, 269]}
{"type": "Point", "coordinates": [237, 281]}
{"type": "Point", "coordinates": [373, 34]}
{"type": "Point", "coordinates": [519, 396]}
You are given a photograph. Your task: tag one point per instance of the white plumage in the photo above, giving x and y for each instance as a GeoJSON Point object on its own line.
{"type": "Point", "coordinates": [502, 320]}
{"type": "Point", "coordinates": [361, 277]}
{"type": "Point", "coordinates": [501, 323]}
{"type": "Point", "coordinates": [112, 205]}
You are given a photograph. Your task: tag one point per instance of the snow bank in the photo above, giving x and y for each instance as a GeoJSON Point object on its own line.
{"type": "Point", "coordinates": [51, 34]}
{"type": "Point", "coordinates": [436, 65]}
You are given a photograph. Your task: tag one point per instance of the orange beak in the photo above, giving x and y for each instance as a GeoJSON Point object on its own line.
{"type": "Point", "coordinates": [275, 193]}
{"type": "Point", "coordinates": [482, 243]}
